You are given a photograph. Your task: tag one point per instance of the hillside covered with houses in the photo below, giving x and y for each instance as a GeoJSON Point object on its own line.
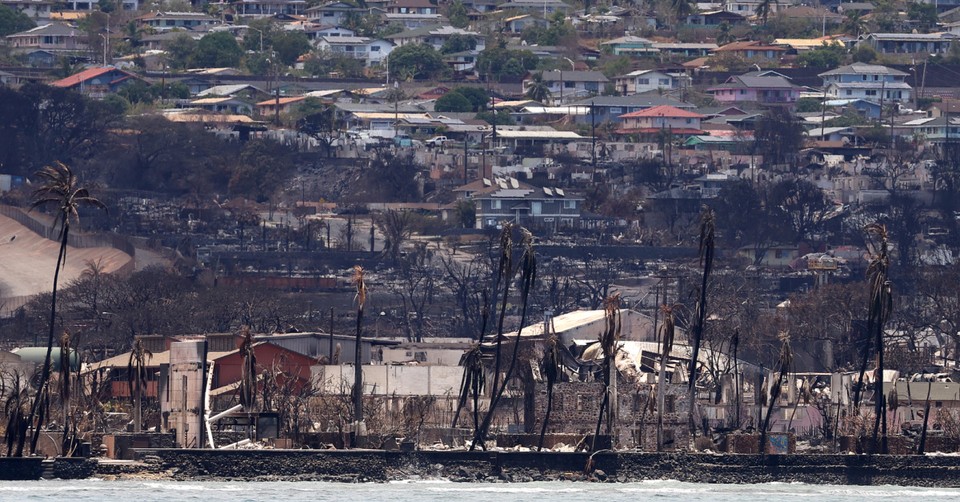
{"type": "Point", "coordinates": [736, 174]}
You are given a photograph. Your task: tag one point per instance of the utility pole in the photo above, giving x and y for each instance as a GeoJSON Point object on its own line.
{"type": "Point", "coordinates": [593, 133]}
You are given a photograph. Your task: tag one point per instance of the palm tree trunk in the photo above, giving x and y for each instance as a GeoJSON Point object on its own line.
{"type": "Point", "coordinates": [45, 372]}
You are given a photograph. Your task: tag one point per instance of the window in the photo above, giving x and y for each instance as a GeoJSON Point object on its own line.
{"type": "Point", "coordinates": [643, 81]}
{"type": "Point", "coordinates": [849, 92]}
{"type": "Point", "coordinates": [328, 14]}
{"type": "Point", "coordinates": [870, 93]}
{"type": "Point", "coordinates": [669, 404]}
{"type": "Point", "coordinates": [536, 207]}
{"type": "Point", "coordinates": [863, 77]}
{"type": "Point", "coordinates": [569, 85]}
{"type": "Point", "coordinates": [494, 204]}
{"type": "Point", "coordinates": [580, 402]}
{"type": "Point", "coordinates": [374, 48]}
{"type": "Point", "coordinates": [665, 82]}
{"type": "Point", "coordinates": [615, 110]}
{"type": "Point", "coordinates": [569, 204]}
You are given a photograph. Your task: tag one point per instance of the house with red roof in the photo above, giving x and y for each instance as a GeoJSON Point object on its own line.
{"type": "Point", "coordinates": [98, 82]}
{"type": "Point", "coordinates": [658, 119]}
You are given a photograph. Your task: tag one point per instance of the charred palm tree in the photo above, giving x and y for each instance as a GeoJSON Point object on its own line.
{"type": "Point", "coordinates": [881, 306]}
{"type": "Point", "coordinates": [69, 426]}
{"type": "Point", "coordinates": [707, 245]}
{"type": "Point", "coordinates": [609, 344]}
{"type": "Point", "coordinates": [137, 380]}
{"type": "Point", "coordinates": [471, 385]}
{"type": "Point", "coordinates": [361, 299]}
{"type": "Point", "coordinates": [474, 377]}
{"type": "Point", "coordinates": [550, 365]}
{"type": "Point", "coordinates": [16, 409]}
{"type": "Point", "coordinates": [59, 186]}
{"type": "Point", "coordinates": [783, 368]}
{"type": "Point", "coordinates": [528, 275]}
{"type": "Point", "coordinates": [668, 333]}
{"type": "Point", "coordinates": [248, 373]}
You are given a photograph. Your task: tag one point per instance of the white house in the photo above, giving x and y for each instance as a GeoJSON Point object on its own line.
{"type": "Point", "coordinates": [640, 81]}
{"type": "Point", "coordinates": [867, 81]}
{"type": "Point", "coordinates": [435, 36]}
{"type": "Point", "coordinates": [371, 51]}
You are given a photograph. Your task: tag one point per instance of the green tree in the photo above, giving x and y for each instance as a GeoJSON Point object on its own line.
{"type": "Point", "coordinates": [457, 14]}
{"type": "Point", "coordinates": [180, 51]}
{"type": "Point", "coordinates": [924, 15]}
{"type": "Point", "coordinates": [458, 43]}
{"type": "Point", "coordinates": [60, 187]}
{"type": "Point", "coordinates": [453, 101]}
{"type": "Point", "coordinates": [865, 54]}
{"type": "Point", "coordinates": [537, 88]}
{"type": "Point", "coordinates": [724, 34]}
{"type": "Point", "coordinates": [218, 49]}
{"type": "Point", "coordinates": [499, 63]}
{"type": "Point", "coordinates": [417, 61]}
{"type": "Point", "coordinates": [829, 55]}
{"type": "Point", "coordinates": [261, 30]}
{"type": "Point", "coordinates": [13, 21]}
{"type": "Point", "coordinates": [477, 96]}
{"type": "Point", "coordinates": [290, 45]}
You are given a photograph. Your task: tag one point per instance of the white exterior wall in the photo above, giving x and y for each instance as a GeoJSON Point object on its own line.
{"type": "Point", "coordinates": [389, 380]}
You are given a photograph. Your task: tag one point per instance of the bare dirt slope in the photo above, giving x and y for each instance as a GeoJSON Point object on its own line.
{"type": "Point", "coordinates": [27, 262]}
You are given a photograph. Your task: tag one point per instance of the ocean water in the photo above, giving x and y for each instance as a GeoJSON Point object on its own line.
{"type": "Point", "coordinates": [442, 491]}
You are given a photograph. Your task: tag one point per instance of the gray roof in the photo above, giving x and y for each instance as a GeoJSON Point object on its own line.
{"type": "Point", "coordinates": [574, 76]}
{"type": "Point", "coordinates": [51, 29]}
{"type": "Point", "coordinates": [756, 82]}
{"type": "Point", "coordinates": [864, 68]}
{"type": "Point", "coordinates": [633, 100]}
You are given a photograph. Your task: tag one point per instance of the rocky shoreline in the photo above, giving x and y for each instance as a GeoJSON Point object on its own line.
{"type": "Point", "coordinates": [353, 466]}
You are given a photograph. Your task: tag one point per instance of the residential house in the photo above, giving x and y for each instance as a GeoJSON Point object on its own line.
{"type": "Point", "coordinates": [165, 21]}
{"type": "Point", "coordinates": [371, 51]}
{"type": "Point", "coordinates": [545, 7]}
{"type": "Point", "coordinates": [753, 50]}
{"type": "Point", "coordinates": [909, 43]}
{"type": "Point", "coordinates": [243, 91]}
{"type": "Point", "coordinates": [640, 81]}
{"type": "Point", "coordinates": [413, 13]}
{"type": "Point", "coordinates": [98, 82]}
{"type": "Point", "coordinates": [269, 8]}
{"type": "Point", "coordinates": [333, 13]}
{"type": "Point", "coordinates": [570, 85]}
{"type": "Point", "coordinates": [867, 81]}
{"type": "Point", "coordinates": [659, 119]}
{"type": "Point", "coordinates": [435, 36]}
{"type": "Point", "coordinates": [518, 23]}
{"type": "Point", "coordinates": [160, 41]}
{"type": "Point", "coordinates": [602, 109]}
{"type": "Point", "coordinates": [532, 141]}
{"type": "Point", "coordinates": [683, 50]}
{"type": "Point", "coordinates": [282, 105]}
{"type": "Point", "coordinates": [507, 199]}
{"type": "Point", "coordinates": [481, 6]}
{"type": "Point", "coordinates": [748, 8]}
{"type": "Point", "coordinates": [223, 105]}
{"type": "Point", "coordinates": [51, 37]}
{"type": "Point", "coordinates": [772, 90]}
{"type": "Point", "coordinates": [314, 32]}
{"type": "Point", "coordinates": [716, 18]}
{"type": "Point", "coordinates": [34, 9]}
{"type": "Point", "coordinates": [412, 7]}
{"type": "Point", "coordinates": [630, 45]}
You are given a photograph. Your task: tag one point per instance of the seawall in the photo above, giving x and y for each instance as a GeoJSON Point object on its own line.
{"type": "Point", "coordinates": [379, 466]}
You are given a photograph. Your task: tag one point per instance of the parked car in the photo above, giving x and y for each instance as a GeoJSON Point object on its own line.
{"type": "Point", "coordinates": [436, 141]}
